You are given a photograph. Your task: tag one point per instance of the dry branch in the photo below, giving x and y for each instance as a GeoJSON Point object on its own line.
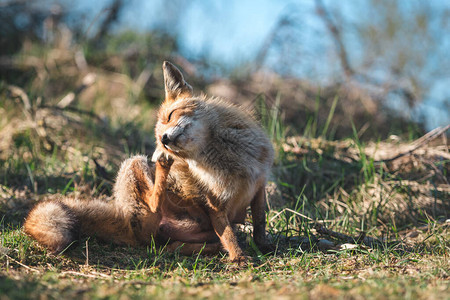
{"type": "Point", "coordinates": [361, 239]}
{"type": "Point", "coordinates": [427, 138]}
{"type": "Point", "coordinates": [21, 264]}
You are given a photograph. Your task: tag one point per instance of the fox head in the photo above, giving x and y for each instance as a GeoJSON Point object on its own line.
{"type": "Point", "coordinates": [181, 129]}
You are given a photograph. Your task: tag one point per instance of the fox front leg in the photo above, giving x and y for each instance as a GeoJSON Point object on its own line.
{"type": "Point", "coordinates": [224, 231]}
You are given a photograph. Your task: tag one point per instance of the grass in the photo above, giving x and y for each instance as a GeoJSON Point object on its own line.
{"type": "Point", "coordinates": [409, 262]}
{"type": "Point", "coordinates": [118, 272]}
{"type": "Point", "coordinates": [347, 222]}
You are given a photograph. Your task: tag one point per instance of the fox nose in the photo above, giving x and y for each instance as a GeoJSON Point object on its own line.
{"type": "Point", "coordinates": [165, 139]}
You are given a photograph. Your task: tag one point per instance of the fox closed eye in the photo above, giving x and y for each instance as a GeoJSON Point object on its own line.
{"type": "Point", "coordinates": [170, 115]}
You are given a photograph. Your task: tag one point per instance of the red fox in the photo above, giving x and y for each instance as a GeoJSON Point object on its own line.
{"type": "Point", "coordinates": [222, 158]}
{"type": "Point", "coordinates": [212, 161]}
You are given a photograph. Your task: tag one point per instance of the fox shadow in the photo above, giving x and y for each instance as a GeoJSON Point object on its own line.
{"type": "Point", "coordinates": [92, 251]}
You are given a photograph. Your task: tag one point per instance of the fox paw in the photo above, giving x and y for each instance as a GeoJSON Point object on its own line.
{"type": "Point", "coordinates": [266, 248]}
{"type": "Point", "coordinates": [163, 158]}
{"type": "Point", "coordinates": [241, 261]}
{"type": "Point", "coordinates": [158, 152]}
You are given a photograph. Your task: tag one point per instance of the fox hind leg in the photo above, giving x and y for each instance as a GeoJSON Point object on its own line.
{"type": "Point", "coordinates": [155, 198]}
{"type": "Point", "coordinates": [138, 183]}
{"type": "Point", "coordinates": [140, 191]}
{"type": "Point", "coordinates": [134, 181]}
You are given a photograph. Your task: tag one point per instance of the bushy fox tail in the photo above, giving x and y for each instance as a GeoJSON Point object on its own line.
{"type": "Point", "coordinates": [53, 224]}
{"type": "Point", "coordinates": [56, 224]}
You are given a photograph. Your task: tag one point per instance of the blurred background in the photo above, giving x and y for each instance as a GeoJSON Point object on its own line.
{"type": "Point", "coordinates": [385, 60]}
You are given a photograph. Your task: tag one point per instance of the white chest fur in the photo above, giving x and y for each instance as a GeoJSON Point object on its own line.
{"type": "Point", "coordinates": [225, 187]}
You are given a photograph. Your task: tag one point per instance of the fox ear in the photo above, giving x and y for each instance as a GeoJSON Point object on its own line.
{"type": "Point", "coordinates": [174, 83]}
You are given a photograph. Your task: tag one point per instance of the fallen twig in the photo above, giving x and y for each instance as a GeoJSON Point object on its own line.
{"type": "Point", "coordinates": [419, 143]}
{"type": "Point", "coordinates": [21, 264]}
{"type": "Point", "coordinates": [361, 239]}
{"type": "Point", "coordinates": [97, 275]}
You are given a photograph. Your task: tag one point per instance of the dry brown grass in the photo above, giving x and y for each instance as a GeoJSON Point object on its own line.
{"type": "Point", "coordinates": [420, 166]}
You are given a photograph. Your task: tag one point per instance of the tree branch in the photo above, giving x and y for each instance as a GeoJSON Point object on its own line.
{"type": "Point", "coordinates": [336, 33]}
